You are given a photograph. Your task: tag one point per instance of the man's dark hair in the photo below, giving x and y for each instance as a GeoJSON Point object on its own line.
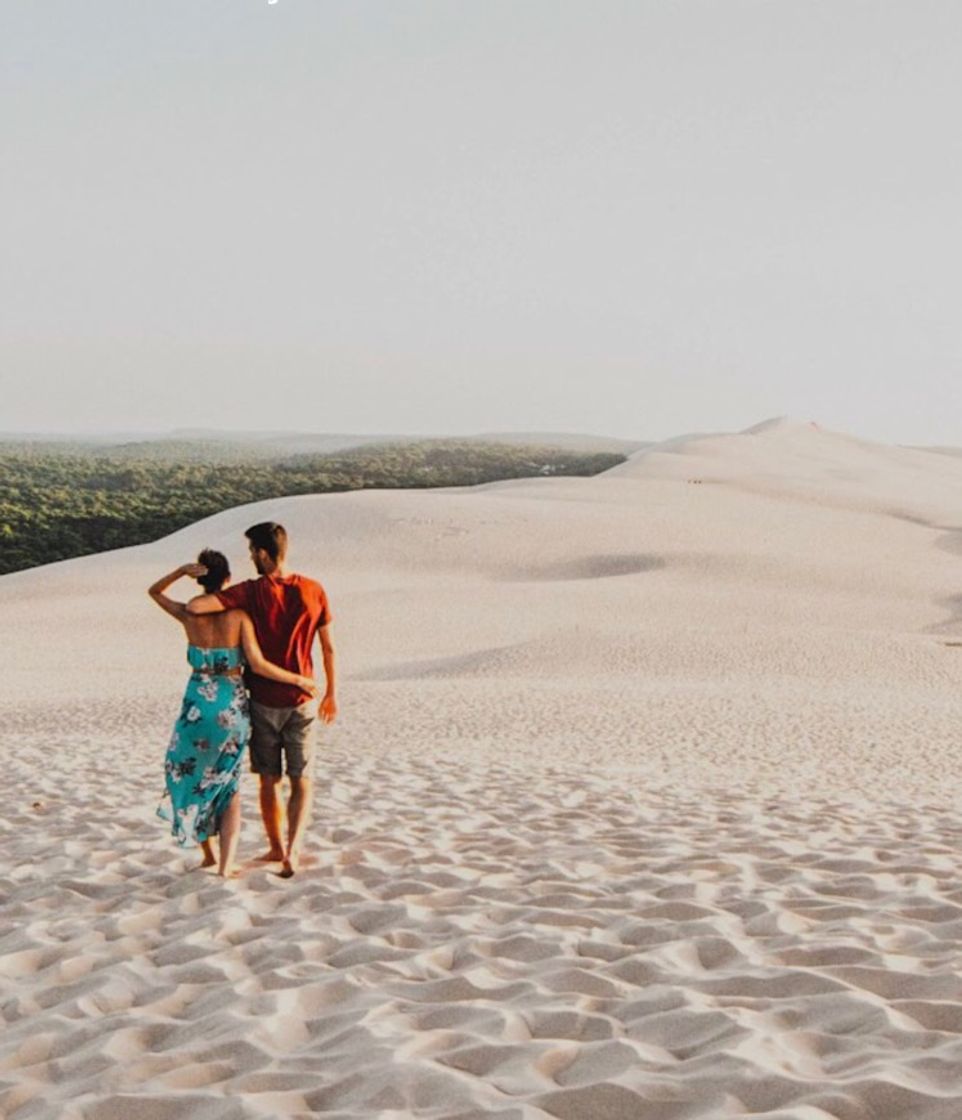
{"type": "Point", "coordinates": [269, 536]}
{"type": "Point", "coordinates": [218, 570]}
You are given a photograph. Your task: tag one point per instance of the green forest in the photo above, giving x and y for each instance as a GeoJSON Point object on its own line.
{"type": "Point", "coordinates": [58, 501]}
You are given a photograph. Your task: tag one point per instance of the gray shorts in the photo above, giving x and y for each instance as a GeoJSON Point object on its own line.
{"type": "Point", "coordinates": [287, 732]}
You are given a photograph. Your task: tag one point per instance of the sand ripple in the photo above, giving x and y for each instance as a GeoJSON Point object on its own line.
{"type": "Point", "coordinates": [462, 943]}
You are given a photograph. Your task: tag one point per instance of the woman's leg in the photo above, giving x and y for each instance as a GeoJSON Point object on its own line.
{"type": "Point", "coordinates": [229, 835]}
{"type": "Point", "coordinates": [208, 849]}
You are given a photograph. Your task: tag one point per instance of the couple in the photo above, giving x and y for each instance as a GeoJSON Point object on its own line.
{"type": "Point", "coordinates": [268, 623]}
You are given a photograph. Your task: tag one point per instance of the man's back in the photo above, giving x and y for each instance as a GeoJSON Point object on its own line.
{"type": "Point", "coordinates": [287, 612]}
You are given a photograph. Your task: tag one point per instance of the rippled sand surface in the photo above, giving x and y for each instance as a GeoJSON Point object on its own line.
{"type": "Point", "coordinates": [642, 804]}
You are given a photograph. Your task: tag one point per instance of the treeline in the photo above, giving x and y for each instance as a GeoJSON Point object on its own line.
{"type": "Point", "coordinates": [56, 505]}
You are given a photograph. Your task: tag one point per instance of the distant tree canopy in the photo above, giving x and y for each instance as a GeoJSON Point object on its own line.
{"type": "Point", "coordinates": [58, 502]}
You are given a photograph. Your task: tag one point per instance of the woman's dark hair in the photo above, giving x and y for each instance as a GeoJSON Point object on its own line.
{"type": "Point", "coordinates": [218, 570]}
{"type": "Point", "coordinates": [269, 536]}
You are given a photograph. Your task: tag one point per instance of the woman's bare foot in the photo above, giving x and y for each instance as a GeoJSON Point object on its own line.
{"type": "Point", "coordinates": [209, 858]}
{"type": "Point", "coordinates": [228, 873]}
{"type": "Point", "coordinates": [290, 865]}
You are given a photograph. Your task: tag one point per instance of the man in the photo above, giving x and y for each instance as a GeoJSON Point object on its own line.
{"type": "Point", "coordinates": [287, 610]}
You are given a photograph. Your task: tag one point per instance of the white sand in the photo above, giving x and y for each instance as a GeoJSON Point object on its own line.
{"type": "Point", "coordinates": [642, 804]}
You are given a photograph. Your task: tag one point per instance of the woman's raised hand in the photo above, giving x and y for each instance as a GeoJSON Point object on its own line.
{"type": "Point", "coordinates": [195, 571]}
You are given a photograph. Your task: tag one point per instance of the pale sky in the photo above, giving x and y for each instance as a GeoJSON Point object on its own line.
{"type": "Point", "coordinates": [632, 218]}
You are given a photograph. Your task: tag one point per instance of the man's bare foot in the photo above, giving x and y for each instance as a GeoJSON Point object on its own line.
{"type": "Point", "coordinates": [271, 856]}
{"type": "Point", "coordinates": [291, 863]}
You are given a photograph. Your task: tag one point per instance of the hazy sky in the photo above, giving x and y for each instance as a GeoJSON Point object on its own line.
{"type": "Point", "coordinates": [633, 218]}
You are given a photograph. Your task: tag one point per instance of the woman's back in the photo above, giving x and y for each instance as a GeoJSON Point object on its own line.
{"type": "Point", "coordinates": [220, 630]}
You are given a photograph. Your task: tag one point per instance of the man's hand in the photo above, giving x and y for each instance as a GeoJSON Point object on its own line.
{"type": "Point", "coordinates": [328, 708]}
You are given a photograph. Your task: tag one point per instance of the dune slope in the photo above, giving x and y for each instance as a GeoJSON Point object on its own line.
{"type": "Point", "coordinates": [641, 803]}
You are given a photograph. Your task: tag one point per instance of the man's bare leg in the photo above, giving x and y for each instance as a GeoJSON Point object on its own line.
{"type": "Point", "coordinates": [298, 814]}
{"type": "Point", "coordinates": [272, 814]}
{"type": "Point", "coordinates": [208, 849]}
{"type": "Point", "coordinates": [229, 835]}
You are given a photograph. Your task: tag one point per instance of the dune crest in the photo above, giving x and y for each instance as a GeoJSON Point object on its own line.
{"type": "Point", "coordinates": [781, 425]}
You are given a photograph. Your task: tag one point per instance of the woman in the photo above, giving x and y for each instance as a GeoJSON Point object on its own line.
{"type": "Point", "coordinates": [203, 763]}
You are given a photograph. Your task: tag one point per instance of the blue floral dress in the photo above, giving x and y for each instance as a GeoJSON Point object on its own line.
{"type": "Point", "coordinates": [203, 764]}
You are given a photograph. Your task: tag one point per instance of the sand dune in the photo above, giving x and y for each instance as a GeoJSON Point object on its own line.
{"type": "Point", "coordinates": [642, 804]}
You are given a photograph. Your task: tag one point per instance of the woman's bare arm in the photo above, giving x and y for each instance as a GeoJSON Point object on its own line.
{"type": "Point", "coordinates": [171, 606]}
{"type": "Point", "coordinates": [264, 668]}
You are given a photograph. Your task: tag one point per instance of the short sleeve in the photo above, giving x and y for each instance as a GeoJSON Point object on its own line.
{"type": "Point", "coordinates": [237, 597]}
